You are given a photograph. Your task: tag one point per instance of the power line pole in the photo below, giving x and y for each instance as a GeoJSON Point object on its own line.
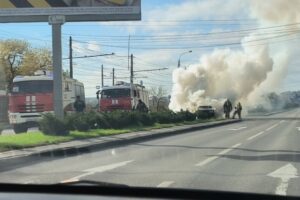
{"type": "Point", "coordinates": [131, 83]}
{"type": "Point", "coordinates": [102, 76]}
{"type": "Point", "coordinates": [131, 69]}
{"type": "Point", "coordinates": [71, 57]}
{"type": "Point", "coordinates": [113, 76]}
{"type": "Point", "coordinates": [56, 22]}
{"type": "Point", "coordinates": [128, 49]}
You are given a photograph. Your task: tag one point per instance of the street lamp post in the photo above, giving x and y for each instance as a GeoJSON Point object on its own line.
{"type": "Point", "coordinates": [190, 51]}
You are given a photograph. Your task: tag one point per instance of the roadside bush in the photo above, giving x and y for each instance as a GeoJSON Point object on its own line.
{"type": "Point", "coordinates": [145, 119]}
{"type": "Point", "coordinates": [115, 120]}
{"type": "Point", "coordinates": [50, 125]}
{"type": "Point", "coordinates": [82, 122]}
{"type": "Point", "coordinates": [172, 117]}
{"type": "Point", "coordinates": [91, 119]}
{"type": "Point", "coordinates": [70, 122]}
{"type": "Point", "coordinates": [163, 117]}
{"type": "Point", "coordinates": [120, 119]}
{"type": "Point", "coordinates": [101, 121]}
{"type": "Point", "coordinates": [189, 116]}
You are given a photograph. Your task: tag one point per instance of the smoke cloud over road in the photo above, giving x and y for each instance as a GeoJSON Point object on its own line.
{"type": "Point", "coordinates": [240, 75]}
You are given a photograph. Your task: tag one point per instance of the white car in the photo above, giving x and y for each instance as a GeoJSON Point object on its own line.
{"type": "Point", "coordinates": [206, 111]}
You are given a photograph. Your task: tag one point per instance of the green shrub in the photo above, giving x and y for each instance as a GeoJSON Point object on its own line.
{"type": "Point", "coordinates": [188, 116]}
{"type": "Point", "coordinates": [120, 119]}
{"type": "Point", "coordinates": [146, 119]}
{"type": "Point", "coordinates": [91, 119]}
{"type": "Point", "coordinates": [70, 122]}
{"type": "Point", "coordinates": [82, 122]}
{"type": "Point", "coordinates": [102, 122]}
{"type": "Point", "coordinates": [50, 125]}
{"type": "Point", "coordinates": [115, 120]}
{"type": "Point", "coordinates": [163, 117]}
{"type": "Point", "coordinates": [82, 125]}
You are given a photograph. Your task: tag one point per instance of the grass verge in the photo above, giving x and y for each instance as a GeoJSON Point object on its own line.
{"type": "Point", "coordinates": [26, 140]}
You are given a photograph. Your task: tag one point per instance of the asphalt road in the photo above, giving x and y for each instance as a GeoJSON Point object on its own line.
{"type": "Point", "coordinates": [259, 155]}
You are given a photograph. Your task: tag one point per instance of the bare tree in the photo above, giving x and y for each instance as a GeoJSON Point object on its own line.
{"type": "Point", "coordinates": [157, 93]}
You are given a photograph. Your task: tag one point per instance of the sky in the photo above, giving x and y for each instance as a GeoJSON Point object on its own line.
{"type": "Point", "coordinates": [168, 28]}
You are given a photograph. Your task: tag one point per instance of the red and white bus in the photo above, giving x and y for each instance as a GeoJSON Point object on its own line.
{"type": "Point", "coordinates": [122, 96]}
{"type": "Point", "coordinates": [32, 96]}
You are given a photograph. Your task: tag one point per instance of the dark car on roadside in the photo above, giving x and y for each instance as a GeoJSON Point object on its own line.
{"type": "Point", "coordinates": [206, 112]}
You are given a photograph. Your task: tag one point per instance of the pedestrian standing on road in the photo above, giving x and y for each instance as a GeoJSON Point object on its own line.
{"type": "Point", "coordinates": [227, 108]}
{"type": "Point", "coordinates": [79, 105]}
{"type": "Point", "coordinates": [238, 110]}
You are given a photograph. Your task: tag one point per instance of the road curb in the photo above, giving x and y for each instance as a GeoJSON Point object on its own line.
{"type": "Point", "coordinates": [115, 141]}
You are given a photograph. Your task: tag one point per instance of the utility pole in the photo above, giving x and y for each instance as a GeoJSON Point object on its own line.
{"type": "Point", "coordinates": [131, 69]}
{"type": "Point", "coordinates": [71, 57]}
{"type": "Point", "coordinates": [102, 76]}
{"type": "Point", "coordinates": [113, 76]}
{"type": "Point", "coordinates": [128, 49]}
{"type": "Point", "coordinates": [56, 22]}
{"type": "Point", "coordinates": [133, 103]}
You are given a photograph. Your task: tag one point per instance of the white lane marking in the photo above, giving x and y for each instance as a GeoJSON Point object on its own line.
{"type": "Point", "coordinates": [285, 173]}
{"type": "Point", "coordinates": [281, 121]}
{"type": "Point", "coordinates": [208, 160]}
{"type": "Point", "coordinates": [98, 170]}
{"type": "Point", "coordinates": [256, 135]}
{"type": "Point", "coordinates": [237, 129]}
{"type": "Point", "coordinates": [229, 149]}
{"type": "Point", "coordinates": [298, 128]}
{"type": "Point", "coordinates": [272, 127]}
{"type": "Point", "coordinates": [113, 152]}
{"type": "Point", "coordinates": [212, 158]}
{"type": "Point", "coordinates": [165, 184]}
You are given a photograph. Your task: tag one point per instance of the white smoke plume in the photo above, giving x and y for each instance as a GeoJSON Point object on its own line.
{"type": "Point", "coordinates": [276, 11]}
{"type": "Point", "coordinates": [220, 75]}
{"type": "Point", "coordinates": [240, 75]}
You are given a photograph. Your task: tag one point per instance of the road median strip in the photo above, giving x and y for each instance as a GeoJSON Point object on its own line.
{"type": "Point", "coordinates": [102, 142]}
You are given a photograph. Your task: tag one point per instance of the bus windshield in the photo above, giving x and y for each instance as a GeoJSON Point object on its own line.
{"type": "Point", "coordinates": [115, 93]}
{"type": "Point", "coordinates": [37, 86]}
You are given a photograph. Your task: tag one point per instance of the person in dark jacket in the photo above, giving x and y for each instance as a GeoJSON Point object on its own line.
{"type": "Point", "coordinates": [227, 108]}
{"type": "Point", "coordinates": [79, 105]}
{"type": "Point", "coordinates": [141, 106]}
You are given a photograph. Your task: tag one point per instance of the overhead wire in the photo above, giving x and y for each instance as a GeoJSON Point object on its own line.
{"type": "Point", "coordinates": [194, 34]}
{"type": "Point", "coordinates": [198, 47]}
